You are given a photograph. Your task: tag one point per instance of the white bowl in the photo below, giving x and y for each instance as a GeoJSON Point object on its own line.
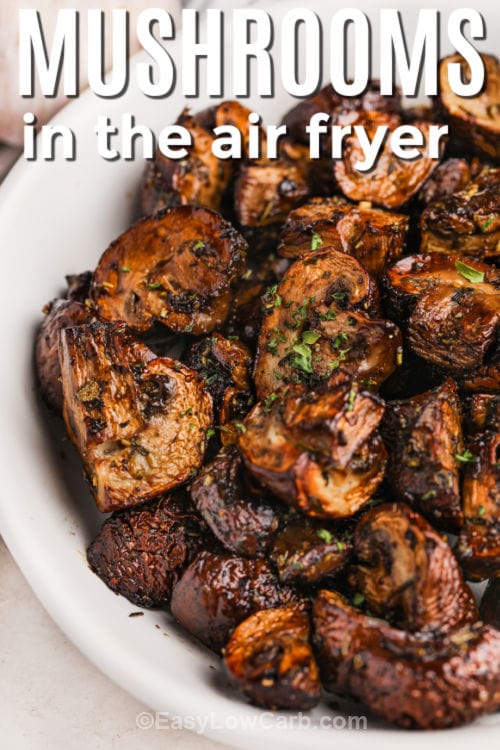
{"type": "Point", "coordinates": [56, 218]}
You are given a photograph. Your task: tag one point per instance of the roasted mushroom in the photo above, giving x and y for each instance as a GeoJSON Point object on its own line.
{"type": "Point", "coordinates": [139, 422]}
{"type": "Point", "coordinates": [306, 550]}
{"type": "Point", "coordinates": [318, 451]}
{"type": "Point", "coordinates": [141, 552]}
{"type": "Point", "coordinates": [269, 658]}
{"type": "Point", "coordinates": [474, 119]}
{"type": "Point", "coordinates": [238, 513]}
{"type": "Point", "coordinates": [224, 365]}
{"type": "Point", "coordinates": [490, 604]}
{"type": "Point", "coordinates": [318, 324]}
{"type": "Point", "coordinates": [449, 177]}
{"type": "Point", "coordinates": [266, 190]}
{"type": "Point", "coordinates": [453, 305]}
{"type": "Point", "coordinates": [372, 236]}
{"type": "Point", "coordinates": [178, 268]}
{"type": "Point", "coordinates": [407, 572]}
{"type": "Point", "coordinates": [467, 222]}
{"type": "Point", "coordinates": [392, 181]}
{"type": "Point", "coordinates": [478, 546]}
{"type": "Point", "coordinates": [424, 435]}
{"type": "Point", "coordinates": [200, 179]}
{"type": "Point", "coordinates": [218, 591]}
{"type": "Point", "coordinates": [415, 680]}
{"type": "Point", "coordinates": [338, 108]}
{"type": "Point", "coordinates": [59, 314]}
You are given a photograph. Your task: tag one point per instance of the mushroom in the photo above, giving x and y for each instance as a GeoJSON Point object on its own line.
{"type": "Point", "coordinates": [415, 680]}
{"type": "Point", "coordinates": [423, 435]}
{"type": "Point", "coordinates": [466, 222]}
{"type": "Point", "coordinates": [473, 119]}
{"type": "Point", "coordinates": [266, 190]}
{"type": "Point", "coordinates": [218, 591]}
{"type": "Point", "coordinates": [374, 237]}
{"type": "Point", "coordinates": [224, 365]}
{"type": "Point", "coordinates": [407, 572]}
{"type": "Point", "coordinates": [392, 181]}
{"type": "Point", "coordinates": [318, 323]}
{"type": "Point", "coordinates": [199, 179]}
{"type": "Point", "coordinates": [338, 107]}
{"type": "Point", "coordinates": [178, 267]}
{"type": "Point", "coordinates": [141, 552]}
{"type": "Point", "coordinates": [449, 177]}
{"type": "Point", "coordinates": [318, 451]}
{"type": "Point", "coordinates": [306, 550]}
{"type": "Point", "coordinates": [478, 547]}
{"type": "Point", "coordinates": [270, 660]}
{"type": "Point", "coordinates": [238, 513]}
{"type": "Point", "coordinates": [139, 421]}
{"type": "Point", "coordinates": [453, 307]}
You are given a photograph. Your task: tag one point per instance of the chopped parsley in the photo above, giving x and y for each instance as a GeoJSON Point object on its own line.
{"type": "Point", "coordinates": [352, 397]}
{"type": "Point", "coordinates": [198, 245]}
{"type": "Point", "coordinates": [469, 273]}
{"type": "Point", "coordinates": [316, 241]}
{"type": "Point", "coordinates": [465, 458]}
{"type": "Point", "coordinates": [325, 535]}
{"type": "Point", "coordinates": [125, 269]}
{"type": "Point", "coordinates": [358, 599]}
{"type": "Point", "coordinates": [481, 510]}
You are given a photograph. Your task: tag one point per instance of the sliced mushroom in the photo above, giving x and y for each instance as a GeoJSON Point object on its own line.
{"type": "Point", "coordinates": [218, 591]}
{"type": "Point", "coordinates": [305, 550]}
{"type": "Point", "coordinates": [449, 177]}
{"type": "Point", "coordinates": [178, 268]}
{"type": "Point", "coordinates": [270, 660]}
{"type": "Point", "coordinates": [141, 552]}
{"type": "Point", "coordinates": [318, 323]}
{"type": "Point", "coordinates": [372, 236]}
{"type": "Point", "coordinates": [317, 451]}
{"type": "Point", "coordinates": [392, 181]}
{"type": "Point", "coordinates": [267, 190]}
{"type": "Point", "coordinates": [139, 422]}
{"type": "Point", "coordinates": [478, 546]}
{"type": "Point", "coordinates": [475, 119]}
{"type": "Point", "coordinates": [239, 514]}
{"type": "Point", "coordinates": [424, 436]}
{"type": "Point", "coordinates": [490, 604]}
{"type": "Point", "coordinates": [414, 680]}
{"type": "Point", "coordinates": [59, 314]}
{"type": "Point", "coordinates": [407, 572]}
{"type": "Point", "coordinates": [467, 222]}
{"type": "Point", "coordinates": [200, 179]}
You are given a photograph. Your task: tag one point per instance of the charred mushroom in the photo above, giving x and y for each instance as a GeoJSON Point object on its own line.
{"type": "Point", "coordinates": [476, 119]}
{"type": "Point", "coordinates": [318, 324]}
{"type": "Point", "coordinates": [238, 513]}
{"type": "Point", "coordinates": [218, 591]}
{"type": "Point", "coordinates": [178, 268]}
{"type": "Point", "coordinates": [450, 177]}
{"type": "Point", "coordinates": [270, 660]}
{"type": "Point", "coordinates": [138, 421]}
{"type": "Point", "coordinates": [407, 572]}
{"type": "Point", "coordinates": [141, 552]}
{"type": "Point", "coordinates": [372, 236]}
{"type": "Point", "coordinates": [453, 307]}
{"type": "Point", "coordinates": [200, 179]}
{"type": "Point", "coordinates": [415, 680]}
{"type": "Point", "coordinates": [478, 546]}
{"type": "Point", "coordinates": [392, 181]}
{"type": "Point", "coordinates": [318, 451]}
{"type": "Point", "coordinates": [424, 436]}
{"type": "Point", "coordinates": [467, 222]}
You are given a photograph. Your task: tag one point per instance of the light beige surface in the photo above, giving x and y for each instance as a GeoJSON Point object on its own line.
{"type": "Point", "coordinates": [51, 697]}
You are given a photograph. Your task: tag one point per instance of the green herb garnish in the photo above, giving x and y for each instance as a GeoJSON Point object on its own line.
{"type": "Point", "coordinates": [469, 273]}
{"type": "Point", "coordinates": [465, 458]}
{"type": "Point", "coordinates": [325, 535]}
{"type": "Point", "coordinates": [316, 241]}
